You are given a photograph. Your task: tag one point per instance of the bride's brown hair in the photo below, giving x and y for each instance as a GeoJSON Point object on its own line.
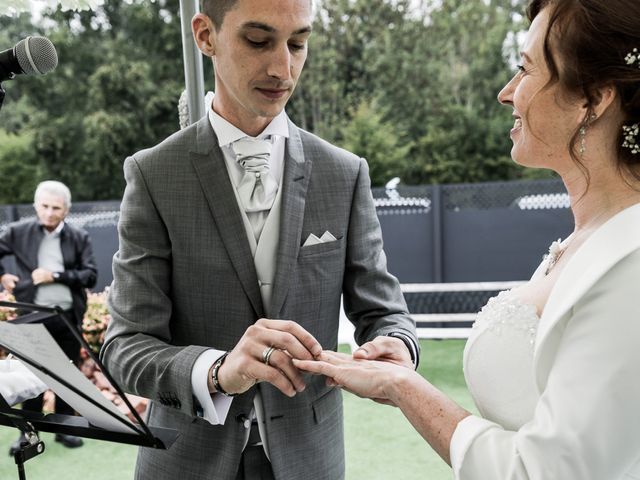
{"type": "Point", "coordinates": [593, 37]}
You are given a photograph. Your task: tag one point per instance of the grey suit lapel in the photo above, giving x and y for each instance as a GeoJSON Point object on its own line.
{"type": "Point", "coordinates": [208, 162]}
{"type": "Point", "coordinates": [297, 171]}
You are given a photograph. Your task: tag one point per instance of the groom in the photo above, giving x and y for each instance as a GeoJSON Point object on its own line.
{"type": "Point", "coordinates": [227, 227]}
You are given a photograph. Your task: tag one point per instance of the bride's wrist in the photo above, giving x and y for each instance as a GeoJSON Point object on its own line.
{"type": "Point", "coordinates": [398, 384]}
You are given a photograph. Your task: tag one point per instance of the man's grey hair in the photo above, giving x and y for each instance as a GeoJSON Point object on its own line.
{"type": "Point", "coordinates": [53, 187]}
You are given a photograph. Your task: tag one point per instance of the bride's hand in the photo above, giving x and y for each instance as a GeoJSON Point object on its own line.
{"type": "Point", "coordinates": [365, 378]}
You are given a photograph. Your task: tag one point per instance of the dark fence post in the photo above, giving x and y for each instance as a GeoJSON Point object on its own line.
{"type": "Point", "coordinates": [436, 208]}
{"type": "Point", "coordinates": [13, 213]}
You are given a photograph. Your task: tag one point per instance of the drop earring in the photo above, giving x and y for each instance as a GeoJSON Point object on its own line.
{"type": "Point", "coordinates": [583, 140]}
{"type": "Point", "coordinates": [583, 133]}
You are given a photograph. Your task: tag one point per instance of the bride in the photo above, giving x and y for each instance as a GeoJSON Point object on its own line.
{"type": "Point", "coordinates": [553, 366]}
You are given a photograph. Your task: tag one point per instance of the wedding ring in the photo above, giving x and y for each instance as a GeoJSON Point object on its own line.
{"type": "Point", "coordinates": [266, 354]}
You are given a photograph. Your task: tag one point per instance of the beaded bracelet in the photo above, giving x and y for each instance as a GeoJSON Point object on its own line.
{"type": "Point", "coordinates": [214, 376]}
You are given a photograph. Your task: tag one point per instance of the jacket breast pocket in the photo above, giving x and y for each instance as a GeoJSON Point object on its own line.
{"type": "Point", "coordinates": [320, 249]}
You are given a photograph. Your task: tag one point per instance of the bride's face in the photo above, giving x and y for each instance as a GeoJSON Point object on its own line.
{"type": "Point", "coordinates": [545, 117]}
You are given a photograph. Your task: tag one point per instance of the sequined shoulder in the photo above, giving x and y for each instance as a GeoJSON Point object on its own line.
{"type": "Point", "coordinates": [507, 311]}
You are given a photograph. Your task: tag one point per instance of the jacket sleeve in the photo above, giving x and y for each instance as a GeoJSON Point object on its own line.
{"type": "Point", "coordinates": [137, 348]}
{"type": "Point", "coordinates": [373, 300]}
{"type": "Point", "coordinates": [84, 272]}
{"type": "Point", "coordinates": [586, 425]}
{"type": "Point", "coordinates": [6, 247]}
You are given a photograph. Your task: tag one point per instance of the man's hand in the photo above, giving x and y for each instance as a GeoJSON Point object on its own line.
{"type": "Point", "coordinates": [9, 282]}
{"type": "Point", "coordinates": [41, 276]}
{"type": "Point", "coordinates": [385, 349]}
{"type": "Point", "coordinates": [245, 366]}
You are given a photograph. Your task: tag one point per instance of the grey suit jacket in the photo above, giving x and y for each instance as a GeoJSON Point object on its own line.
{"type": "Point", "coordinates": [185, 281]}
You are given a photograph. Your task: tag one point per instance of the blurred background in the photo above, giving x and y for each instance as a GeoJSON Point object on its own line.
{"type": "Point", "coordinates": [409, 85]}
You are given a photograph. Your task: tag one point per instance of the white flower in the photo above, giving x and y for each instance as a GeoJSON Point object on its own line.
{"type": "Point", "coordinates": [183, 110]}
{"type": "Point", "coordinates": [555, 249]}
{"type": "Point", "coordinates": [631, 137]}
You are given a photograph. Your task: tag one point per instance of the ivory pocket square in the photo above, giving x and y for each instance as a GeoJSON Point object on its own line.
{"type": "Point", "coordinates": [327, 237]}
{"type": "Point", "coordinates": [314, 240]}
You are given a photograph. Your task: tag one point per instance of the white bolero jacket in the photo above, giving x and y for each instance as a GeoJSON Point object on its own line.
{"type": "Point", "coordinates": [586, 364]}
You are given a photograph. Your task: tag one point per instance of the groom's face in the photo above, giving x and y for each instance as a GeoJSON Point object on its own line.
{"type": "Point", "coordinates": [259, 51]}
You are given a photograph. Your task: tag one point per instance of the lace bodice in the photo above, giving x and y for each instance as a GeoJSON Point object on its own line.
{"type": "Point", "coordinates": [498, 361]}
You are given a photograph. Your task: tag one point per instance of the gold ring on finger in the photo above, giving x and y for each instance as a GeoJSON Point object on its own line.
{"type": "Point", "coordinates": [266, 354]}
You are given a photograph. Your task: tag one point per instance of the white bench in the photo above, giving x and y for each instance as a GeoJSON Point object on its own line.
{"type": "Point", "coordinates": [345, 333]}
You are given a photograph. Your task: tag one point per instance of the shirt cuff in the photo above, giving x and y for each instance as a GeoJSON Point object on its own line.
{"type": "Point", "coordinates": [411, 346]}
{"type": "Point", "coordinates": [215, 407]}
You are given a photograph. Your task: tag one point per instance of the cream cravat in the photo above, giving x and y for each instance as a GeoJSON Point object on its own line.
{"type": "Point", "coordinates": [258, 188]}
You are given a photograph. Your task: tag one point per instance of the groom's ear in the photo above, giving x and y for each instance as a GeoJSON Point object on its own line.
{"type": "Point", "coordinates": [204, 34]}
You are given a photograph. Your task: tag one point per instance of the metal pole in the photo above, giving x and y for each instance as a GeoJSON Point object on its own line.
{"type": "Point", "coordinates": [193, 71]}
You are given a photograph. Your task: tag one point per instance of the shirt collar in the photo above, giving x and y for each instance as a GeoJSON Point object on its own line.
{"type": "Point", "coordinates": [56, 232]}
{"type": "Point", "coordinates": [228, 133]}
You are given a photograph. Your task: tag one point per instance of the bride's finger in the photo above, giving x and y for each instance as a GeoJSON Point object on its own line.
{"type": "Point", "coordinates": [315, 366]}
{"type": "Point", "coordinates": [335, 358]}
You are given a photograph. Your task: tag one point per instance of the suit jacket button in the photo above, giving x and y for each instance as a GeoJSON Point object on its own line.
{"type": "Point", "coordinates": [244, 420]}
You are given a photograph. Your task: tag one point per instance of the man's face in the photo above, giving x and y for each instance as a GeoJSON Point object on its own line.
{"type": "Point", "coordinates": [51, 210]}
{"type": "Point", "coordinates": [260, 50]}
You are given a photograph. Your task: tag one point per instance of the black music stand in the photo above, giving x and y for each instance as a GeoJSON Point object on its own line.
{"type": "Point", "coordinates": [32, 422]}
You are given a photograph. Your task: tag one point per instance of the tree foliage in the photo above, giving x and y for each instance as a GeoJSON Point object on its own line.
{"type": "Point", "coordinates": [17, 162]}
{"type": "Point", "coordinates": [409, 85]}
{"type": "Point", "coordinates": [115, 91]}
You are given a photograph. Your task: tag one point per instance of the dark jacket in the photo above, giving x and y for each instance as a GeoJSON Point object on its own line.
{"type": "Point", "coordinates": [22, 239]}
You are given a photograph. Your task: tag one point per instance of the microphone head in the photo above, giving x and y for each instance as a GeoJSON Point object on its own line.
{"type": "Point", "coordinates": [36, 55]}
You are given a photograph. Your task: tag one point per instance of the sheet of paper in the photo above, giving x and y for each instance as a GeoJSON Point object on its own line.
{"type": "Point", "coordinates": [35, 343]}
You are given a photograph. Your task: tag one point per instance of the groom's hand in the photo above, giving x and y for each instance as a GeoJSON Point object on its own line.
{"type": "Point", "coordinates": [245, 365]}
{"type": "Point", "coordinates": [386, 349]}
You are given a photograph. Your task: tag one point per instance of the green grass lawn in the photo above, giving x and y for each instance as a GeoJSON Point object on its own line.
{"type": "Point", "coordinates": [380, 443]}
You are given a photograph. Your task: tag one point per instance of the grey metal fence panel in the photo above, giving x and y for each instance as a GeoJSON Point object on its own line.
{"type": "Point", "coordinates": [494, 231]}
{"type": "Point", "coordinates": [451, 233]}
{"type": "Point", "coordinates": [499, 244]}
{"type": "Point", "coordinates": [408, 243]}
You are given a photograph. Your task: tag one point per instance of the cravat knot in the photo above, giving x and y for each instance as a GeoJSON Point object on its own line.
{"type": "Point", "coordinates": [258, 188]}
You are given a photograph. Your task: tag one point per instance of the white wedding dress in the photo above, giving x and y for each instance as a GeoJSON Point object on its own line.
{"type": "Point", "coordinates": [498, 361]}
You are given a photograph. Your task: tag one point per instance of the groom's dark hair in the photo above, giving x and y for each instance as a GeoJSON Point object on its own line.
{"type": "Point", "coordinates": [216, 10]}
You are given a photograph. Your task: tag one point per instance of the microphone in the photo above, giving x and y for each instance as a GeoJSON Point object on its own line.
{"type": "Point", "coordinates": [30, 56]}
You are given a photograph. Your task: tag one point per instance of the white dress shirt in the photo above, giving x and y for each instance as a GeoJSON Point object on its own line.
{"type": "Point", "coordinates": [216, 407]}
